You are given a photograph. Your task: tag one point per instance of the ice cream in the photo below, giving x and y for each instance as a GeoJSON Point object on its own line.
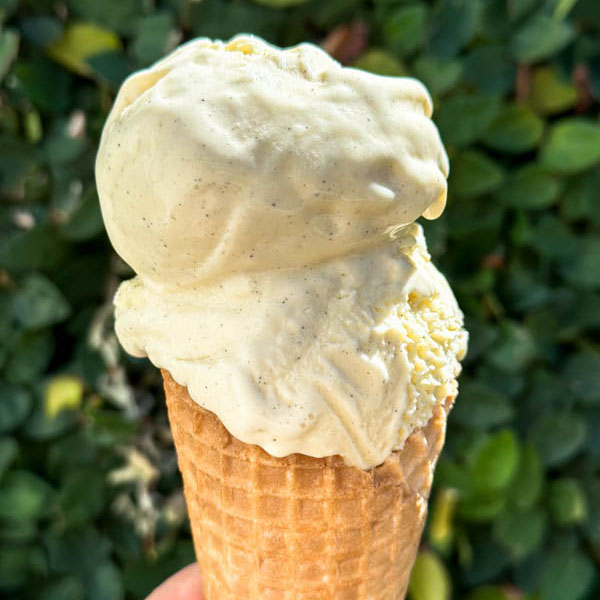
{"type": "Point", "coordinates": [266, 200]}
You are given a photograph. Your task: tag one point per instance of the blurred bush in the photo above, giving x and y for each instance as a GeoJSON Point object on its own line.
{"type": "Point", "coordinates": [90, 501]}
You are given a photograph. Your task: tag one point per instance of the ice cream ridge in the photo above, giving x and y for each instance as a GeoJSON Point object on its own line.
{"type": "Point", "coordinates": [266, 199]}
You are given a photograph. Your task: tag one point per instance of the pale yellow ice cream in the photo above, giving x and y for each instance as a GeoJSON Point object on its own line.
{"type": "Point", "coordinates": [265, 198]}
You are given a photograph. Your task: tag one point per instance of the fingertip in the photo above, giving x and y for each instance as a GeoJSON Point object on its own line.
{"type": "Point", "coordinates": [184, 585]}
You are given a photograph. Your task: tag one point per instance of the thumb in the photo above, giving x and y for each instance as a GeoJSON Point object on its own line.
{"type": "Point", "coordinates": [184, 585]}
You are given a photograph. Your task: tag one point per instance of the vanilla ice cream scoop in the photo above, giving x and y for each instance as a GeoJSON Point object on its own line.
{"type": "Point", "coordinates": [266, 199]}
{"type": "Point", "coordinates": [238, 157]}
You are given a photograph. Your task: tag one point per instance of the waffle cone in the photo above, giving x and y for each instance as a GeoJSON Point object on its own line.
{"type": "Point", "coordinates": [300, 528]}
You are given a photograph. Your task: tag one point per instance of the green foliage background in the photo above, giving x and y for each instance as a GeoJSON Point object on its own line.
{"type": "Point", "coordinates": [90, 500]}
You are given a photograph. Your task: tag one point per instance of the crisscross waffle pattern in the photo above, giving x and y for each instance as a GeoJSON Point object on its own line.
{"type": "Point", "coordinates": [300, 528]}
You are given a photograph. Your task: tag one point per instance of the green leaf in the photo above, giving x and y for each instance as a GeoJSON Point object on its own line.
{"type": "Point", "coordinates": [280, 3]}
{"type": "Point", "coordinates": [527, 485]}
{"type": "Point", "coordinates": [539, 38]}
{"type": "Point", "coordinates": [154, 37]}
{"type": "Point", "coordinates": [558, 436]}
{"type": "Point", "coordinates": [66, 588]}
{"type": "Point", "coordinates": [15, 404]}
{"type": "Point", "coordinates": [481, 407]}
{"type": "Point", "coordinates": [104, 582]}
{"type": "Point", "coordinates": [489, 70]}
{"type": "Point", "coordinates": [581, 267]}
{"type": "Point", "coordinates": [529, 188]}
{"type": "Point", "coordinates": [475, 174]}
{"type": "Point", "coordinates": [41, 30]}
{"type": "Point", "coordinates": [24, 496]}
{"type": "Point", "coordinates": [482, 508]}
{"type": "Point", "coordinates": [141, 577]}
{"type": "Point", "coordinates": [404, 28]}
{"type": "Point", "coordinates": [481, 336]}
{"type": "Point", "coordinates": [20, 177]}
{"type": "Point", "coordinates": [519, 8]}
{"type": "Point", "coordinates": [213, 18]}
{"type": "Point", "coordinates": [63, 392]}
{"type": "Point", "coordinates": [42, 427]}
{"type": "Point", "coordinates": [567, 574]}
{"type": "Point", "coordinates": [9, 47]}
{"type": "Point", "coordinates": [17, 532]}
{"type": "Point", "coordinates": [109, 428]}
{"type": "Point", "coordinates": [572, 146]}
{"type": "Point", "coordinates": [114, 15]}
{"type": "Point", "coordinates": [580, 200]}
{"type": "Point", "coordinates": [553, 239]}
{"type": "Point", "coordinates": [440, 526]}
{"type": "Point", "coordinates": [85, 222]}
{"type": "Point", "coordinates": [44, 83]}
{"type": "Point", "coordinates": [429, 579]}
{"type": "Point", "coordinates": [524, 290]}
{"type": "Point", "coordinates": [79, 551]}
{"type": "Point", "coordinates": [591, 528]}
{"type": "Point", "coordinates": [454, 476]}
{"type": "Point", "coordinates": [563, 7]}
{"type": "Point", "coordinates": [515, 349]}
{"type": "Point", "coordinates": [496, 462]}
{"type": "Point", "coordinates": [7, 9]}
{"type": "Point", "coordinates": [549, 93]}
{"type": "Point", "coordinates": [29, 356]}
{"type": "Point", "coordinates": [32, 124]}
{"type": "Point", "coordinates": [520, 532]}
{"type": "Point", "coordinates": [36, 249]}
{"type": "Point", "coordinates": [463, 119]}
{"type": "Point", "coordinates": [82, 495]}
{"type": "Point", "coordinates": [453, 25]}
{"type": "Point", "coordinates": [515, 130]}
{"type": "Point", "coordinates": [60, 147]}
{"type": "Point", "coordinates": [380, 62]}
{"type": "Point", "coordinates": [488, 561]}
{"type": "Point", "coordinates": [568, 505]}
{"type": "Point", "coordinates": [582, 376]}
{"type": "Point", "coordinates": [79, 42]}
{"type": "Point", "coordinates": [39, 303]}
{"type": "Point", "coordinates": [488, 593]}
{"type": "Point", "coordinates": [14, 566]}
{"type": "Point", "coordinates": [9, 450]}
{"type": "Point", "coordinates": [438, 74]}
{"type": "Point", "coordinates": [112, 67]}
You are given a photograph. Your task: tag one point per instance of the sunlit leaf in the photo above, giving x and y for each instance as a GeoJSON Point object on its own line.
{"type": "Point", "coordinates": [380, 62]}
{"type": "Point", "coordinates": [9, 46]}
{"type": "Point", "coordinates": [429, 579]}
{"type": "Point", "coordinates": [573, 145]}
{"type": "Point", "coordinates": [62, 392]}
{"type": "Point", "coordinates": [496, 462]}
{"type": "Point", "coordinates": [568, 504]}
{"type": "Point", "coordinates": [550, 93]}
{"type": "Point", "coordinates": [79, 42]}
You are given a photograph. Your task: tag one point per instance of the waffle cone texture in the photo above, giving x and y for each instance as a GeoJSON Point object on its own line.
{"type": "Point", "coordinates": [297, 527]}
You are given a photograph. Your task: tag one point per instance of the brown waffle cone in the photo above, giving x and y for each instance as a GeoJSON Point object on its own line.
{"type": "Point", "coordinates": [300, 528]}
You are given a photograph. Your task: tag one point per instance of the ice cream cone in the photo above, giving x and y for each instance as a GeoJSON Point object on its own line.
{"type": "Point", "coordinates": [300, 528]}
